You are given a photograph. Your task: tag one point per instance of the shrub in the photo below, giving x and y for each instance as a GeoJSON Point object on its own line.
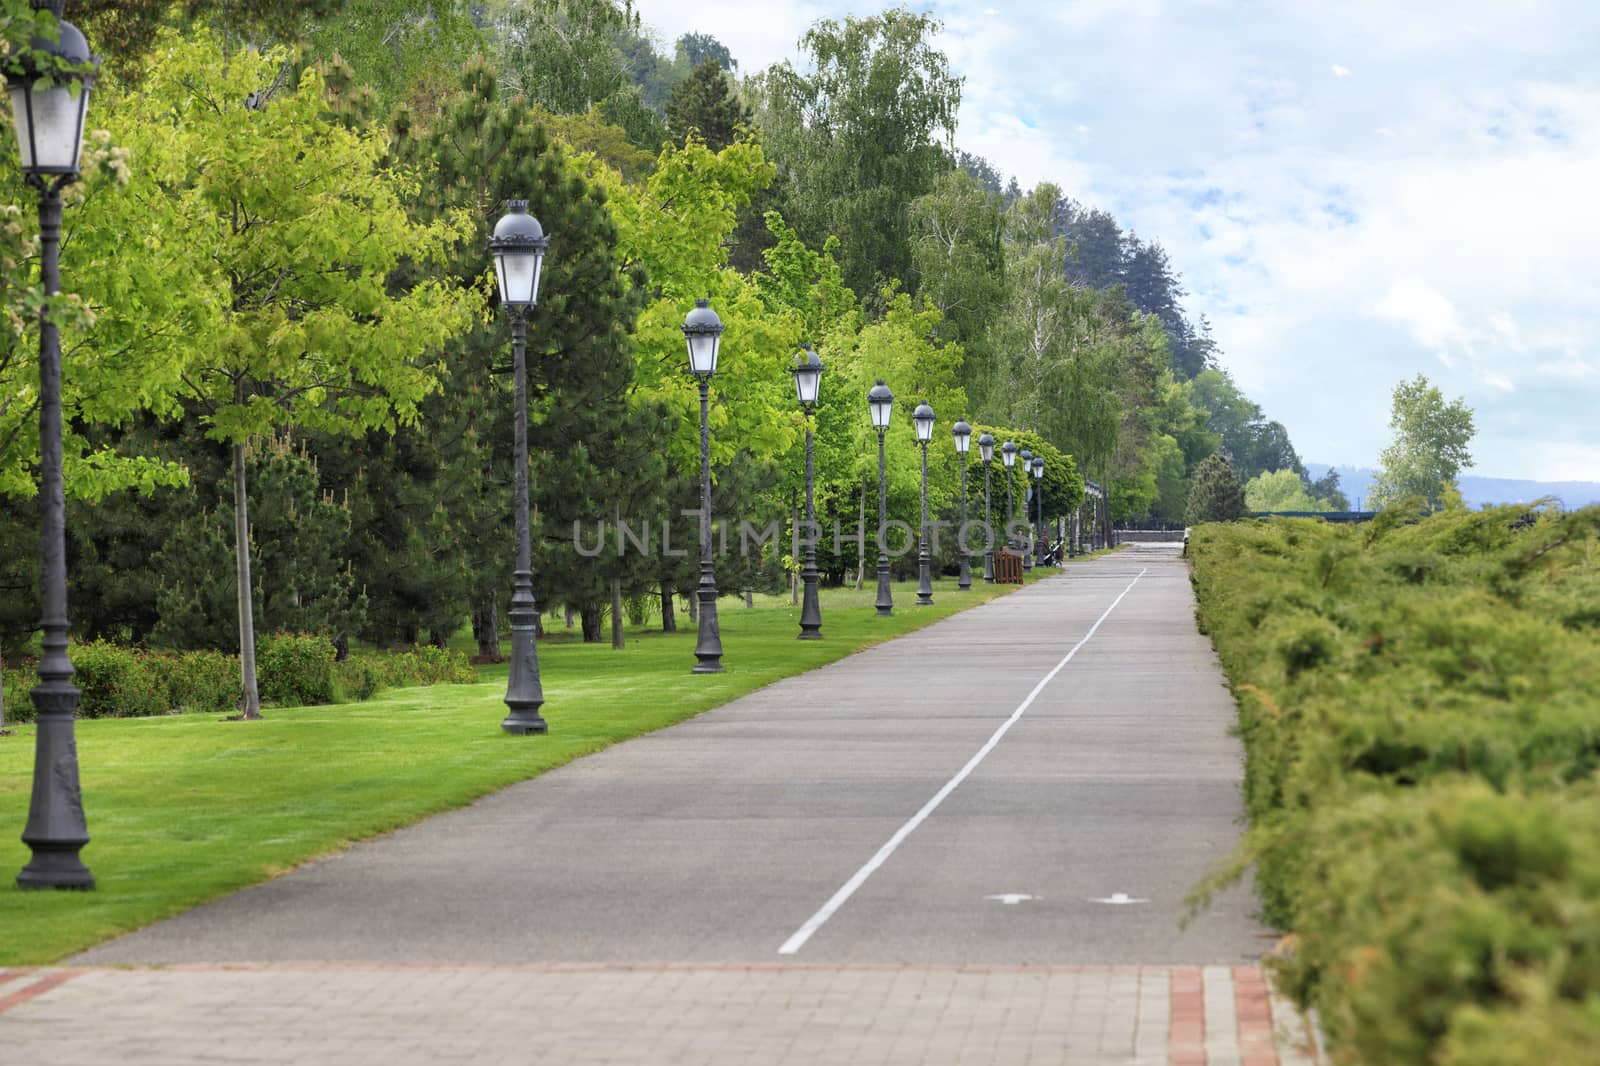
{"type": "Point", "coordinates": [295, 670]}
{"type": "Point", "coordinates": [18, 682]}
{"type": "Point", "coordinates": [199, 681]}
{"type": "Point", "coordinates": [364, 674]}
{"type": "Point", "coordinates": [1419, 700]}
{"type": "Point", "coordinates": [116, 682]}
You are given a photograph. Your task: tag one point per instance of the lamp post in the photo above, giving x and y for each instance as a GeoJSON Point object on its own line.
{"type": "Point", "coordinates": [518, 248]}
{"type": "Point", "coordinates": [1027, 549]}
{"type": "Point", "coordinates": [702, 330]}
{"type": "Point", "coordinates": [49, 123]}
{"type": "Point", "coordinates": [986, 454]}
{"type": "Point", "coordinates": [807, 384]}
{"type": "Point", "coordinates": [880, 401]}
{"type": "Point", "coordinates": [963, 435]}
{"type": "Point", "coordinates": [1008, 459]}
{"type": "Point", "coordinates": [1038, 492]}
{"type": "Point", "coordinates": [922, 418]}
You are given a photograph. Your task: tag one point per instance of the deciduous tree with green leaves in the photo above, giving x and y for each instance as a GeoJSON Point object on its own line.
{"type": "Point", "coordinates": [864, 131]}
{"type": "Point", "coordinates": [1429, 448]}
{"type": "Point", "coordinates": [292, 224]}
{"type": "Point", "coordinates": [1280, 490]}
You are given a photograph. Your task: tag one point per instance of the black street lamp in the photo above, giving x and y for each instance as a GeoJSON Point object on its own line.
{"type": "Point", "coordinates": [922, 418]}
{"type": "Point", "coordinates": [807, 385]}
{"type": "Point", "coordinates": [1008, 459]}
{"type": "Point", "coordinates": [1038, 492]}
{"type": "Point", "coordinates": [702, 330]}
{"type": "Point", "coordinates": [881, 402]}
{"type": "Point", "coordinates": [48, 115]}
{"type": "Point", "coordinates": [518, 248]}
{"type": "Point", "coordinates": [1027, 549]}
{"type": "Point", "coordinates": [963, 435]}
{"type": "Point", "coordinates": [986, 453]}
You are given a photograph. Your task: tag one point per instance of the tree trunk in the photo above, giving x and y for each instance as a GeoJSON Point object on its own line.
{"type": "Point", "coordinates": [618, 639]}
{"type": "Point", "coordinates": [861, 539]}
{"type": "Point", "coordinates": [250, 701]}
{"type": "Point", "coordinates": [341, 648]}
{"type": "Point", "coordinates": [669, 618]}
{"type": "Point", "coordinates": [694, 610]}
{"type": "Point", "coordinates": [591, 623]}
{"type": "Point", "coordinates": [566, 615]}
{"type": "Point", "coordinates": [486, 627]}
{"type": "Point", "coordinates": [749, 598]}
{"type": "Point", "coordinates": [794, 569]}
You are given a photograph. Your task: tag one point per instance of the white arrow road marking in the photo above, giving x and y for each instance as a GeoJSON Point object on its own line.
{"type": "Point", "coordinates": [1119, 899]}
{"type": "Point", "coordinates": [848, 889]}
{"type": "Point", "coordinates": [1011, 899]}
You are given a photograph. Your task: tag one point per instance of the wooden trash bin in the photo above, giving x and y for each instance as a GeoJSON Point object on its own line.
{"type": "Point", "coordinates": [1007, 567]}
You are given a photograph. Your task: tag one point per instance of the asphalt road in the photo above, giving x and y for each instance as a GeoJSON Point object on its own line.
{"type": "Point", "coordinates": [724, 838]}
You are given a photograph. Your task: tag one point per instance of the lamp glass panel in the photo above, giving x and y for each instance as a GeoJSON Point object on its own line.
{"type": "Point", "coordinates": [52, 135]}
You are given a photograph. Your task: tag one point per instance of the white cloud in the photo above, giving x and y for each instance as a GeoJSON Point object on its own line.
{"type": "Point", "coordinates": [1428, 316]}
{"type": "Point", "coordinates": [1341, 233]}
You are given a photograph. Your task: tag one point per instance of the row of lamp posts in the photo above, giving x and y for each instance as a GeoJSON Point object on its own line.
{"type": "Point", "coordinates": [49, 119]}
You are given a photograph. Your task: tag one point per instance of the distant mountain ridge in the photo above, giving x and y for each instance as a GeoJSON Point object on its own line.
{"type": "Point", "coordinates": [1356, 482]}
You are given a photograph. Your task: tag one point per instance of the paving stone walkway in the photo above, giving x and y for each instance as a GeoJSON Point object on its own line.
{"type": "Point", "coordinates": [398, 1015]}
{"type": "Point", "coordinates": [968, 845]}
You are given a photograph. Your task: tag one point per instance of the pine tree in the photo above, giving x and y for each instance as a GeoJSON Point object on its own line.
{"type": "Point", "coordinates": [704, 103]}
{"type": "Point", "coordinates": [1215, 495]}
{"type": "Point", "coordinates": [484, 150]}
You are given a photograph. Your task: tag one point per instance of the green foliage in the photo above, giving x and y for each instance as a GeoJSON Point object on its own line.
{"type": "Point", "coordinates": [706, 105]}
{"type": "Point", "coordinates": [1215, 495]}
{"type": "Point", "coordinates": [116, 683]}
{"type": "Point", "coordinates": [1417, 699]}
{"type": "Point", "coordinates": [296, 669]}
{"type": "Point", "coordinates": [1429, 447]}
{"type": "Point", "coordinates": [1280, 490]}
{"type": "Point", "coordinates": [396, 48]}
{"type": "Point", "coordinates": [562, 54]}
{"type": "Point", "coordinates": [197, 681]}
{"type": "Point", "coordinates": [864, 129]}
{"type": "Point", "coordinates": [364, 674]}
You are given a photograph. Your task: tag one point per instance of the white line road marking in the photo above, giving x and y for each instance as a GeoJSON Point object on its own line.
{"type": "Point", "coordinates": [1119, 899]}
{"type": "Point", "coordinates": [817, 920]}
{"type": "Point", "coordinates": [1011, 899]}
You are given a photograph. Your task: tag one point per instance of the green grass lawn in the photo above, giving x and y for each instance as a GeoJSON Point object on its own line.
{"type": "Point", "coordinates": [186, 808]}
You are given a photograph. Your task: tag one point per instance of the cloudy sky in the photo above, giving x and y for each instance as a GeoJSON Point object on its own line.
{"type": "Point", "coordinates": [1355, 192]}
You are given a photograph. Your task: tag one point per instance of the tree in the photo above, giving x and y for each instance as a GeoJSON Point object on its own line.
{"type": "Point", "coordinates": [1215, 494]}
{"type": "Point", "coordinates": [1429, 448]}
{"type": "Point", "coordinates": [861, 134]}
{"type": "Point", "coordinates": [479, 151]}
{"type": "Point", "coordinates": [958, 263]}
{"type": "Point", "coordinates": [125, 31]}
{"type": "Point", "coordinates": [693, 49]}
{"type": "Point", "coordinates": [1280, 490]}
{"type": "Point", "coordinates": [293, 223]}
{"type": "Point", "coordinates": [705, 103]}
{"type": "Point", "coordinates": [562, 54]}
{"type": "Point", "coordinates": [397, 48]}
{"type": "Point", "coordinates": [1326, 488]}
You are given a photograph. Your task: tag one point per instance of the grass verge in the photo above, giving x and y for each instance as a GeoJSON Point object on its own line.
{"type": "Point", "coordinates": [186, 808]}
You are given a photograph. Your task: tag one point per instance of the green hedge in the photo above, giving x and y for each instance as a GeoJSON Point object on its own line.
{"type": "Point", "coordinates": [295, 669]}
{"type": "Point", "coordinates": [1420, 704]}
{"type": "Point", "coordinates": [291, 670]}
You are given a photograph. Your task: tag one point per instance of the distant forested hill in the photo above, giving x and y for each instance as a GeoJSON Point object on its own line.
{"type": "Point", "coordinates": [1478, 491]}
